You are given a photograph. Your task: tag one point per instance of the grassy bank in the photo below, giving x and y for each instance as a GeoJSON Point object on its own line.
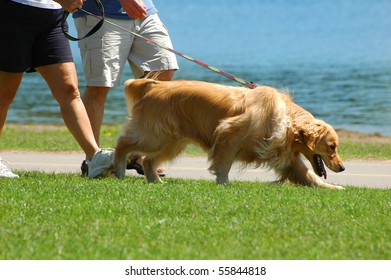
{"type": "Point", "coordinates": [49, 138]}
{"type": "Point", "coordinates": [58, 138]}
{"type": "Point", "coordinates": [65, 216]}
{"type": "Point", "coordinates": [46, 216]}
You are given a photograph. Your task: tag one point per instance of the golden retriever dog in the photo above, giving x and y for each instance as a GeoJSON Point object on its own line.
{"type": "Point", "coordinates": [260, 126]}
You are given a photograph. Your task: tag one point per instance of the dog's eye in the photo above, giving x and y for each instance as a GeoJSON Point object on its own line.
{"type": "Point", "coordinates": [332, 147]}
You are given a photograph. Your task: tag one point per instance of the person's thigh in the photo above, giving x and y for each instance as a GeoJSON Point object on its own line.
{"type": "Point", "coordinates": [147, 57]}
{"type": "Point", "coordinates": [104, 54]}
{"type": "Point", "coordinates": [34, 38]}
{"type": "Point", "coordinates": [62, 80]}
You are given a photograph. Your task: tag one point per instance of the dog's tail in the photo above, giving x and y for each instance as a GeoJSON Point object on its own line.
{"type": "Point", "coordinates": [135, 89]}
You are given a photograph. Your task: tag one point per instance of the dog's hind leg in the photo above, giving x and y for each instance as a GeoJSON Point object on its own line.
{"type": "Point", "coordinates": [125, 145]}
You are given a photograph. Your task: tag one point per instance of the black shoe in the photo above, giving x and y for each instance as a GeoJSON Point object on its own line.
{"type": "Point", "coordinates": [84, 168]}
{"type": "Point", "coordinates": [132, 164]}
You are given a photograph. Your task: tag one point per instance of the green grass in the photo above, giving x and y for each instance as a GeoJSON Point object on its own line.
{"type": "Point", "coordinates": [64, 216]}
{"type": "Point", "coordinates": [58, 138]}
{"type": "Point", "coordinates": [50, 138]}
{"type": "Point", "coordinates": [350, 149]}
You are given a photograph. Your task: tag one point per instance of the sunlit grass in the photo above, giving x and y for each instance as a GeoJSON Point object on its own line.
{"type": "Point", "coordinates": [65, 216]}
{"type": "Point", "coordinates": [58, 138]}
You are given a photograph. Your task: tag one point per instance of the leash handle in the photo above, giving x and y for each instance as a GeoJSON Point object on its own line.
{"type": "Point", "coordinates": [92, 31]}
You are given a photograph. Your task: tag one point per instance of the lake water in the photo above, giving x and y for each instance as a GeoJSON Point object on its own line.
{"type": "Point", "coordinates": [334, 56]}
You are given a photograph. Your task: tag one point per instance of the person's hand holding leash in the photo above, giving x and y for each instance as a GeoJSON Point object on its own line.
{"type": "Point", "coordinates": [134, 8]}
{"type": "Point", "coordinates": [70, 6]}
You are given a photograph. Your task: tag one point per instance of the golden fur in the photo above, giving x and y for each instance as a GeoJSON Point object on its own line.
{"type": "Point", "coordinates": [258, 126]}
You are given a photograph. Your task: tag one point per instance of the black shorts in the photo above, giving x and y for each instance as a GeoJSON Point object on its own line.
{"type": "Point", "coordinates": [31, 37]}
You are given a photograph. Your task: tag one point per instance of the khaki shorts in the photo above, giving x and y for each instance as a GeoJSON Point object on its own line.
{"type": "Point", "coordinates": [104, 59]}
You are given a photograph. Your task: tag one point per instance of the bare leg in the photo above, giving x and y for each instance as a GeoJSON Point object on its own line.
{"type": "Point", "coordinates": [94, 100]}
{"type": "Point", "coordinates": [9, 86]}
{"type": "Point", "coordinates": [62, 81]}
{"type": "Point", "coordinates": [166, 75]}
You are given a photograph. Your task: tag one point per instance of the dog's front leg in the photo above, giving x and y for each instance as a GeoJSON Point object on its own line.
{"type": "Point", "coordinates": [320, 183]}
{"type": "Point", "coordinates": [300, 174]}
{"type": "Point", "coordinates": [221, 163]}
{"type": "Point", "coordinates": [221, 170]}
{"type": "Point", "coordinates": [222, 179]}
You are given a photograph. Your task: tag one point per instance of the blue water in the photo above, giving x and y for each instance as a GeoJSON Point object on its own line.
{"type": "Point", "coordinates": [334, 56]}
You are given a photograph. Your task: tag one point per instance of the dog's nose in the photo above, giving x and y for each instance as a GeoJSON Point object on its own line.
{"type": "Point", "coordinates": [341, 168]}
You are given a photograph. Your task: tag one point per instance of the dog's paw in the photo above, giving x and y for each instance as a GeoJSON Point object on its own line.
{"type": "Point", "coordinates": [222, 182]}
{"type": "Point", "coordinates": [119, 174]}
{"type": "Point", "coordinates": [154, 179]}
{"type": "Point", "coordinates": [339, 188]}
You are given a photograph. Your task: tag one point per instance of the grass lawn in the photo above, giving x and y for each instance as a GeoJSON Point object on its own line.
{"type": "Point", "coordinates": [58, 138]}
{"type": "Point", "coordinates": [64, 216]}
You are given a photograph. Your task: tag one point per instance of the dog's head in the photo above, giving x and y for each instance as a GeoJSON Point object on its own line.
{"type": "Point", "coordinates": [318, 142]}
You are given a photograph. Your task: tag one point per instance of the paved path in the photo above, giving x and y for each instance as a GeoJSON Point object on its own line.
{"type": "Point", "coordinates": [360, 173]}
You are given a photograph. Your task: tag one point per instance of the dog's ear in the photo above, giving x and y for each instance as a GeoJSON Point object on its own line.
{"type": "Point", "coordinates": [307, 138]}
{"type": "Point", "coordinates": [309, 134]}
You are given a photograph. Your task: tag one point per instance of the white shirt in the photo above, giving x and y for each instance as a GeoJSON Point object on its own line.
{"type": "Point", "coordinates": [46, 4]}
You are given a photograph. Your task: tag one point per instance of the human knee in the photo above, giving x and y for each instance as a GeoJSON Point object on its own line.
{"type": "Point", "coordinates": [96, 94]}
{"type": "Point", "coordinates": [67, 94]}
{"type": "Point", "coordinates": [164, 75]}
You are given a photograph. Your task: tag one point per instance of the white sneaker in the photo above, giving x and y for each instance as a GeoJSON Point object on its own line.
{"type": "Point", "coordinates": [5, 170]}
{"type": "Point", "coordinates": [101, 163]}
